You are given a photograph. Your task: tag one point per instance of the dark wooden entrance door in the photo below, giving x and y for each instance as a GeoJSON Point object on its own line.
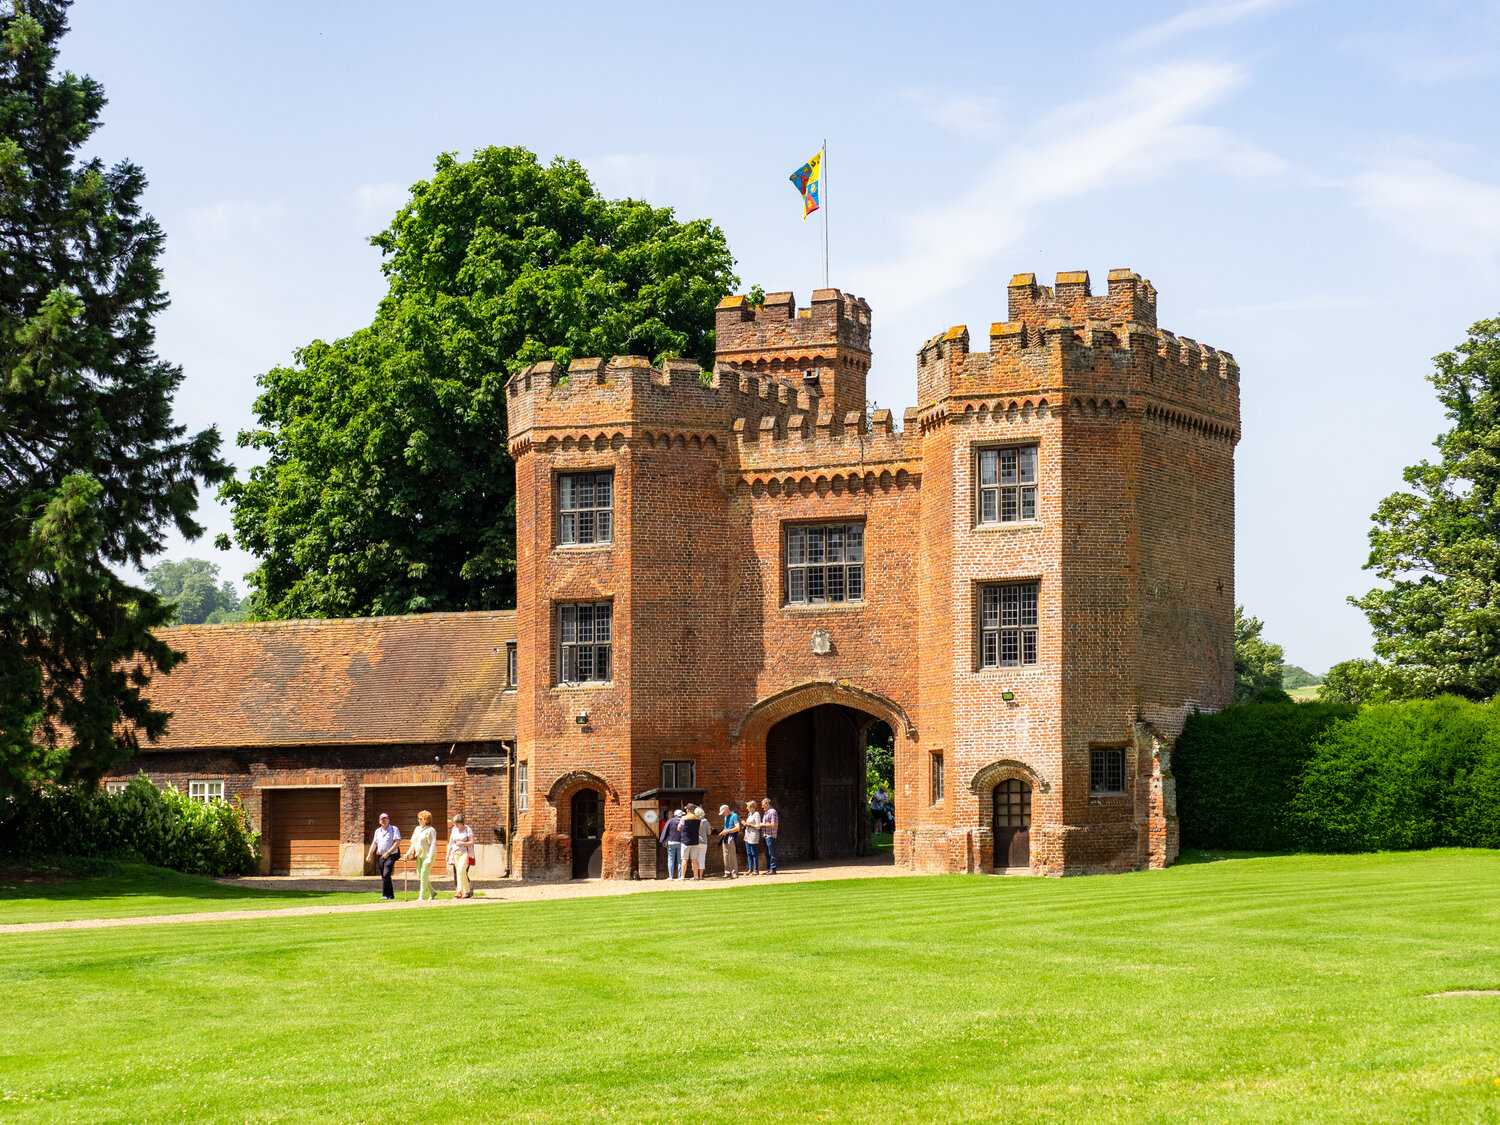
{"type": "Point", "coordinates": [1012, 823]}
{"type": "Point", "coordinates": [815, 769]}
{"type": "Point", "coordinates": [588, 828]}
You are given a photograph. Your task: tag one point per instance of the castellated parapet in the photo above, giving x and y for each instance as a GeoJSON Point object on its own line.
{"type": "Point", "coordinates": [1069, 347]}
{"type": "Point", "coordinates": [1103, 564]}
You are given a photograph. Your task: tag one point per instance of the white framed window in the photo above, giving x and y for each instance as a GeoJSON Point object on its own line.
{"type": "Point", "coordinates": [1007, 484]}
{"type": "Point", "coordinates": [825, 563]}
{"type": "Point", "coordinates": [585, 508]}
{"type": "Point", "coordinates": [1008, 625]}
{"type": "Point", "coordinates": [511, 668]}
{"type": "Point", "coordinates": [1106, 771]}
{"type": "Point", "coordinates": [206, 790]}
{"type": "Point", "coordinates": [679, 774]}
{"type": "Point", "coordinates": [584, 631]}
{"type": "Point", "coordinates": [115, 786]}
{"type": "Point", "coordinates": [521, 786]}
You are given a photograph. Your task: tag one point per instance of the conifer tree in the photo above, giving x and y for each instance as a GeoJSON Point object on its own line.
{"type": "Point", "coordinates": [92, 469]}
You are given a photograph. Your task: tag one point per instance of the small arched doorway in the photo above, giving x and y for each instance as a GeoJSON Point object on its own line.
{"type": "Point", "coordinates": [1012, 824]}
{"type": "Point", "coordinates": [587, 812]}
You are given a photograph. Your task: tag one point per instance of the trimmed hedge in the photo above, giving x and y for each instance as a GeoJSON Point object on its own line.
{"type": "Point", "coordinates": [1332, 777]}
{"type": "Point", "coordinates": [1237, 772]}
{"type": "Point", "coordinates": [1424, 774]}
{"type": "Point", "coordinates": [160, 826]}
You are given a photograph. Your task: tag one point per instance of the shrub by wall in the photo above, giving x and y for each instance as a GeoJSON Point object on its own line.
{"type": "Point", "coordinates": [1422, 774]}
{"type": "Point", "coordinates": [1237, 771]}
{"type": "Point", "coordinates": [160, 826]}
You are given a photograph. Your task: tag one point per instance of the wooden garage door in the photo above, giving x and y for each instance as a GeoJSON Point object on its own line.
{"type": "Point", "coordinates": [403, 803]}
{"type": "Point", "coordinates": [304, 831]}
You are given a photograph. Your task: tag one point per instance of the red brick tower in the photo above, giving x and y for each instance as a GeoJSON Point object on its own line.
{"type": "Point", "coordinates": [1031, 583]}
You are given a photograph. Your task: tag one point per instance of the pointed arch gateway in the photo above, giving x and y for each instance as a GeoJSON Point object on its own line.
{"type": "Point", "coordinates": [810, 741]}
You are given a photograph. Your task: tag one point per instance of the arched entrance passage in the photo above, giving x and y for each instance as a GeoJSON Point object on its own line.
{"type": "Point", "coordinates": [813, 739]}
{"type": "Point", "coordinates": [587, 832]}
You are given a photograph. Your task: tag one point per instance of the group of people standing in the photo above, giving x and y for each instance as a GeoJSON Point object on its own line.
{"type": "Point", "coordinates": [385, 850]}
{"type": "Point", "coordinates": [686, 834]}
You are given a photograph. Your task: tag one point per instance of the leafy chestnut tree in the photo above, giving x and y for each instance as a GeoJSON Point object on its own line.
{"type": "Point", "coordinates": [93, 471]}
{"type": "Point", "coordinates": [387, 485]}
{"type": "Point", "coordinates": [1437, 545]}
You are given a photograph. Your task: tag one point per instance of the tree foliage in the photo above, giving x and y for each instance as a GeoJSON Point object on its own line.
{"type": "Point", "coordinates": [1437, 543]}
{"type": "Point", "coordinates": [1257, 663]}
{"type": "Point", "coordinates": [92, 469]}
{"type": "Point", "coordinates": [1293, 676]}
{"type": "Point", "coordinates": [192, 588]}
{"type": "Point", "coordinates": [388, 487]}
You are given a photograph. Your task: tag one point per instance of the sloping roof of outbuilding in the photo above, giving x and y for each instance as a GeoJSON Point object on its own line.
{"type": "Point", "coordinates": [432, 677]}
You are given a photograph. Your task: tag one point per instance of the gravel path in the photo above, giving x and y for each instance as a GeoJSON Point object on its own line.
{"type": "Point", "coordinates": [494, 892]}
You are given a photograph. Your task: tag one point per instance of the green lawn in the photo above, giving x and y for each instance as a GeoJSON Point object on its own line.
{"type": "Point", "coordinates": [134, 890]}
{"type": "Point", "coordinates": [1271, 989]}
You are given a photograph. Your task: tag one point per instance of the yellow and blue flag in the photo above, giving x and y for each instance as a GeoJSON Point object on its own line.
{"type": "Point", "coordinates": [808, 179]}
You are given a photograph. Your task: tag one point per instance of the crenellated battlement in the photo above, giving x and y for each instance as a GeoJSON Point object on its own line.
{"type": "Point", "coordinates": [1064, 339]}
{"type": "Point", "coordinates": [826, 345]}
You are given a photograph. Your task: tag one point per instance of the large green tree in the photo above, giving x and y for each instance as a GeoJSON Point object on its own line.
{"type": "Point", "coordinates": [1437, 543]}
{"type": "Point", "coordinates": [92, 469]}
{"type": "Point", "coordinates": [387, 485]}
{"type": "Point", "coordinates": [192, 587]}
{"type": "Point", "coordinates": [1257, 662]}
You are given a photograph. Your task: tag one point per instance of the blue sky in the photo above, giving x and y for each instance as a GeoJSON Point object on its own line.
{"type": "Point", "coordinates": [1312, 186]}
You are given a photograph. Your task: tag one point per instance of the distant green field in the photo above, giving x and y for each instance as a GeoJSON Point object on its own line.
{"type": "Point", "coordinates": [1274, 989]}
{"type": "Point", "coordinates": [1305, 693]}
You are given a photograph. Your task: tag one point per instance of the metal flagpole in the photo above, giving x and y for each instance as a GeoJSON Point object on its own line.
{"type": "Point", "coordinates": [823, 191]}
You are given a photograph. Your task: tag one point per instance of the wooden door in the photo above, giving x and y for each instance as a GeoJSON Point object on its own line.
{"type": "Point", "coordinates": [839, 780]}
{"type": "Point", "coordinates": [304, 831]}
{"type": "Point", "coordinates": [402, 803]}
{"type": "Point", "coordinates": [1012, 824]}
{"type": "Point", "coordinates": [587, 832]}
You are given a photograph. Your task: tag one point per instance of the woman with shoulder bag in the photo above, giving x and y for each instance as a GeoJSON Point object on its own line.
{"type": "Point", "coordinates": [461, 855]}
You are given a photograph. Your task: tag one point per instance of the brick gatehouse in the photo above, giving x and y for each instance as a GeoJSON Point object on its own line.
{"type": "Point", "coordinates": [727, 580]}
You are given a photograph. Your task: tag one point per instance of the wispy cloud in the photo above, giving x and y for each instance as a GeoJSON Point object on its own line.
{"type": "Point", "coordinates": [1202, 18]}
{"type": "Point", "coordinates": [1437, 209]}
{"type": "Point", "coordinates": [1136, 133]}
{"type": "Point", "coordinates": [975, 116]}
{"type": "Point", "coordinates": [682, 181]}
{"type": "Point", "coordinates": [1422, 56]}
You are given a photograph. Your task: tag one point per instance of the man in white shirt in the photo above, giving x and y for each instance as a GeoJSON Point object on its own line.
{"type": "Point", "coordinates": [385, 849]}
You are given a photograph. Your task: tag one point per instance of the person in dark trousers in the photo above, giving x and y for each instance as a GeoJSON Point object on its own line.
{"type": "Point", "coordinates": [770, 822]}
{"type": "Point", "coordinates": [671, 836]}
{"type": "Point", "coordinates": [385, 849]}
{"type": "Point", "coordinates": [692, 827]}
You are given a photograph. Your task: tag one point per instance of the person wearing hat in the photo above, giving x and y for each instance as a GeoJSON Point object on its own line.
{"type": "Point", "coordinates": [385, 849]}
{"type": "Point", "coordinates": [671, 836]}
{"type": "Point", "coordinates": [729, 841]}
{"type": "Point", "coordinates": [461, 856]}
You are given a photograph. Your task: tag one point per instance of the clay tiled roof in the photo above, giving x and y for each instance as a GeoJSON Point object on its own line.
{"type": "Point", "coordinates": [434, 677]}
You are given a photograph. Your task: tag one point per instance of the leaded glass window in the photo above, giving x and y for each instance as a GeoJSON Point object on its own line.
{"type": "Point", "coordinates": [584, 635]}
{"type": "Point", "coordinates": [585, 508]}
{"type": "Point", "coordinates": [1007, 484]}
{"type": "Point", "coordinates": [825, 563]}
{"type": "Point", "coordinates": [1008, 625]}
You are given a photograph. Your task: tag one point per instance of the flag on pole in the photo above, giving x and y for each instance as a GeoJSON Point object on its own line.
{"type": "Point", "coordinates": [808, 180]}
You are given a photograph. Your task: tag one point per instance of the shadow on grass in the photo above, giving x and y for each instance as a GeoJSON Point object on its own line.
{"type": "Point", "coordinates": [880, 843]}
{"type": "Point", "coordinates": [1189, 856]}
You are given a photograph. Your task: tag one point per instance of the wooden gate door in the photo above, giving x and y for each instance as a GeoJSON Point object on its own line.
{"type": "Point", "coordinates": [838, 778]}
{"type": "Point", "coordinates": [588, 827]}
{"type": "Point", "coordinates": [1012, 825]}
